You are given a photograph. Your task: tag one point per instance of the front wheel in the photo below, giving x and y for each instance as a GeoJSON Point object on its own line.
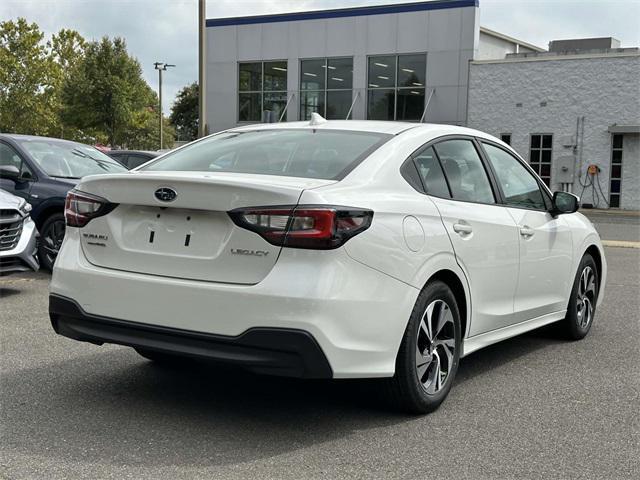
{"type": "Point", "coordinates": [51, 236]}
{"type": "Point", "coordinates": [582, 304]}
{"type": "Point", "coordinates": [428, 358]}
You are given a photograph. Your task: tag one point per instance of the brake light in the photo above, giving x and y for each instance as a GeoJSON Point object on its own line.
{"type": "Point", "coordinates": [304, 226]}
{"type": "Point", "coordinates": [80, 208]}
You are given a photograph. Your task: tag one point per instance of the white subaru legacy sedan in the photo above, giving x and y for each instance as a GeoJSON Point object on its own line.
{"type": "Point", "coordinates": [327, 249]}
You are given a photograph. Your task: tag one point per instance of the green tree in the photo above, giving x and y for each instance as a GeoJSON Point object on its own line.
{"type": "Point", "coordinates": [105, 90]}
{"type": "Point", "coordinates": [143, 132]}
{"type": "Point", "coordinates": [184, 113]}
{"type": "Point", "coordinates": [27, 80]}
{"type": "Point", "coordinates": [66, 49]}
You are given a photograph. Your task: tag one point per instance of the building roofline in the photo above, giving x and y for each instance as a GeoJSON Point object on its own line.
{"type": "Point", "coordinates": [634, 52]}
{"type": "Point", "coordinates": [342, 12]}
{"type": "Point", "coordinates": [502, 36]}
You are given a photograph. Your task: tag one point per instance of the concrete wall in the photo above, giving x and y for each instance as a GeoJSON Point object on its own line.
{"type": "Point", "coordinates": [449, 36]}
{"type": "Point", "coordinates": [630, 198]}
{"type": "Point", "coordinates": [506, 96]}
{"type": "Point", "coordinates": [494, 48]}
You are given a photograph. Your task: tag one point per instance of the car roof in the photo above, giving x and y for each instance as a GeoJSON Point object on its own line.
{"type": "Point", "coordinates": [374, 126]}
{"type": "Point", "coordinates": [19, 136]}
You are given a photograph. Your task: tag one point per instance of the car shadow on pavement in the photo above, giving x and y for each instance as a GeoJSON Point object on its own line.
{"type": "Point", "coordinates": [118, 408]}
{"type": "Point", "coordinates": [7, 292]}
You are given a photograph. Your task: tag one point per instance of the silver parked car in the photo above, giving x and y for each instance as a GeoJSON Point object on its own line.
{"type": "Point", "coordinates": [18, 235]}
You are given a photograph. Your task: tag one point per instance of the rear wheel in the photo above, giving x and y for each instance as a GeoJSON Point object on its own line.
{"type": "Point", "coordinates": [582, 304]}
{"type": "Point", "coordinates": [428, 359]}
{"type": "Point", "coordinates": [51, 236]}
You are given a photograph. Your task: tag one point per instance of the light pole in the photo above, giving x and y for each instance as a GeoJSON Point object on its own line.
{"type": "Point", "coordinates": [161, 67]}
{"type": "Point", "coordinates": [202, 63]}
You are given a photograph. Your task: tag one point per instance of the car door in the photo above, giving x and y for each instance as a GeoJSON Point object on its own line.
{"type": "Point", "coordinates": [20, 186]}
{"type": "Point", "coordinates": [483, 234]}
{"type": "Point", "coordinates": [546, 249]}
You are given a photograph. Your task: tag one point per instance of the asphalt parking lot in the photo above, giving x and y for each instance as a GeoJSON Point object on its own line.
{"type": "Point", "coordinates": [531, 407]}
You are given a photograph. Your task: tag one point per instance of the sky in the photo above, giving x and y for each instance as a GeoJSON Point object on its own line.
{"type": "Point", "coordinates": [166, 30]}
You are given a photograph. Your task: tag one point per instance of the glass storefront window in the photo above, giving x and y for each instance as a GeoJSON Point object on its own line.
{"type": "Point", "coordinates": [262, 90]}
{"type": "Point", "coordinates": [396, 87]}
{"type": "Point", "coordinates": [326, 87]}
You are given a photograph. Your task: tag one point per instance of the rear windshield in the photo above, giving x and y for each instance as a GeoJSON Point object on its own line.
{"type": "Point", "coordinates": [326, 154]}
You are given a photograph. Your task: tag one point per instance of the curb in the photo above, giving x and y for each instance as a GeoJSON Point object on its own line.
{"type": "Point", "coordinates": [611, 212]}
{"type": "Point", "coordinates": [620, 244]}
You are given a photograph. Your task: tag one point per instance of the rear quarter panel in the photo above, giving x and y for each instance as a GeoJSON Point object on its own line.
{"type": "Point", "coordinates": [407, 239]}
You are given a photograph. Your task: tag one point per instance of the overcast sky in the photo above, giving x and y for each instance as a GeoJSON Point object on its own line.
{"type": "Point", "coordinates": [166, 30]}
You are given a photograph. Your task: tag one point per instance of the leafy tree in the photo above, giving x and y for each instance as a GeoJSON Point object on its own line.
{"type": "Point", "coordinates": [184, 113]}
{"type": "Point", "coordinates": [143, 133]}
{"type": "Point", "coordinates": [66, 49]}
{"type": "Point", "coordinates": [27, 80]}
{"type": "Point", "coordinates": [105, 90]}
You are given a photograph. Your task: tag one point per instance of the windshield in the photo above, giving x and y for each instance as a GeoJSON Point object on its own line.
{"type": "Point", "coordinates": [68, 159]}
{"type": "Point", "coordinates": [325, 154]}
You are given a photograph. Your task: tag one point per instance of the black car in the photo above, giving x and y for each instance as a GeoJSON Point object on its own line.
{"type": "Point", "coordinates": [132, 158]}
{"type": "Point", "coordinates": [42, 170]}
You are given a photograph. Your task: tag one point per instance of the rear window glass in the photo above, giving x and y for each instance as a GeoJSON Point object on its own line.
{"type": "Point", "coordinates": [325, 154]}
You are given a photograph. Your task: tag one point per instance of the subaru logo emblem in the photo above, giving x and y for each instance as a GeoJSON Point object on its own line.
{"type": "Point", "coordinates": [165, 194]}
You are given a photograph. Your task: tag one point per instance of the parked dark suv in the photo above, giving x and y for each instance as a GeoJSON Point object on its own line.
{"type": "Point", "coordinates": [42, 170]}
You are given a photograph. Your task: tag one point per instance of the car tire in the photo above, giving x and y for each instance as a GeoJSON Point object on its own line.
{"type": "Point", "coordinates": [582, 303]}
{"type": "Point", "coordinates": [429, 342]}
{"type": "Point", "coordinates": [51, 236]}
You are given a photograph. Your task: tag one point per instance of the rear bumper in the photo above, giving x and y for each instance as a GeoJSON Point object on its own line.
{"type": "Point", "coordinates": [357, 315]}
{"type": "Point", "coordinates": [22, 257]}
{"type": "Point", "coordinates": [286, 352]}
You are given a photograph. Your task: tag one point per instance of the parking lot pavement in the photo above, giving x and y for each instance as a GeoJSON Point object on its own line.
{"type": "Point", "coordinates": [616, 224]}
{"type": "Point", "coordinates": [531, 407]}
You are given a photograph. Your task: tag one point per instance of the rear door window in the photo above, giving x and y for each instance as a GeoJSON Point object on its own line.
{"type": "Point", "coordinates": [431, 173]}
{"type": "Point", "coordinates": [308, 153]}
{"type": "Point", "coordinates": [464, 170]}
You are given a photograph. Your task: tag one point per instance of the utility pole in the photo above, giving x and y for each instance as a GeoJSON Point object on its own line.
{"type": "Point", "coordinates": [161, 67]}
{"type": "Point", "coordinates": [202, 65]}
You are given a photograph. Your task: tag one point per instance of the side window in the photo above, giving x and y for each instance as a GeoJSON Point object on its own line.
{"type": "Point", "coordinates": [465, 173]}
{"type": "Point", "coordinates": [9, 157]}
{"type": "Point", "coordinates": [431, 173]}
{"type": "Point", "coordinates": [519, 186]}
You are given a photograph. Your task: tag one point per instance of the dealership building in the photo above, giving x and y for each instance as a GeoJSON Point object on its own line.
{"type": "Point", "coordinates": [409, 62]}
{"type": "Point", "coordinates": [573, 112]}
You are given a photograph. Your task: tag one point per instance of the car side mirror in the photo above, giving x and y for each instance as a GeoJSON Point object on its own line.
{"type": "Point", "coordinates": [565, 202]}
{"type": "Point", "coordinates": [9, 171]}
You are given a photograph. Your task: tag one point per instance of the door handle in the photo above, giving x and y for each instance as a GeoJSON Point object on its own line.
{"type": "Point", "coordinates": [462, 228]}
{"type": "Point", "coordinates": [526, 231]}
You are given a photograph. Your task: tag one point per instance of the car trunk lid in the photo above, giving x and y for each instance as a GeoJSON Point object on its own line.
{"type": "Point", "coordinates": [190, 236]}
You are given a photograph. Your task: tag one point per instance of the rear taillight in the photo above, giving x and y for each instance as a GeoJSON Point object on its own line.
{"type": "Point", "coordinates": [80, 208]}
{"type": "Point", "coordinates": [304, 226]}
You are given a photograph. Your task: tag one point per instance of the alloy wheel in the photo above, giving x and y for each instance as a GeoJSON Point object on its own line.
{"type": "Point", "coordinates": [586, 297]}
{"type": "Point", "coordinates": [435, 346]}
{"type": "Point", "coordinates": [52, 240]}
